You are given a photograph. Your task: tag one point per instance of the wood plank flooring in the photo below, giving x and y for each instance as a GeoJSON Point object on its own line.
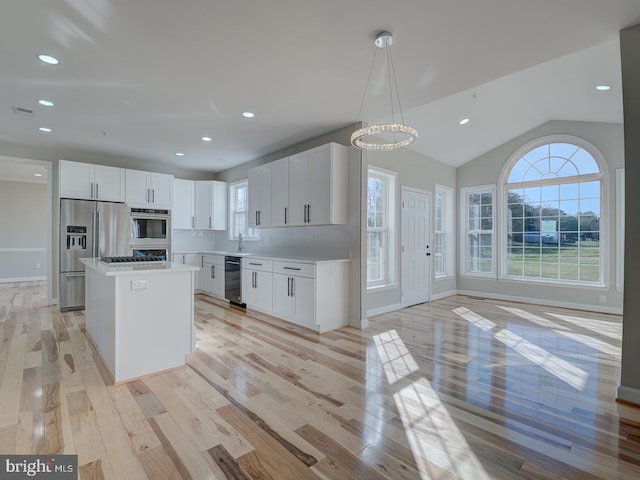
{"type": "Point", "coordinates": [458, 388]}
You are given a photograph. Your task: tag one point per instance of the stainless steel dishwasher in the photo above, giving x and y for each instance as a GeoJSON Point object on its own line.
{"type": "Point", "coordinates": [233, 280]}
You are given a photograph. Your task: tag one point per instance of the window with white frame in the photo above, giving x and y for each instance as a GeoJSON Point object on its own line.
{"type": "Point", "coordinates": [553, 195]}
{"type": "Point", "coordinates": [238, 212]}
{"type": "Point", "coordinates": [381, 186]}
{"type": "Point", "coordinates": [444, 247]}
{"type": "Point", "coordinates": [478, 229]}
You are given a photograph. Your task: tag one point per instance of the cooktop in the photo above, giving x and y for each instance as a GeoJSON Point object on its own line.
{"type": "Point", "coordinates": [132, 259]}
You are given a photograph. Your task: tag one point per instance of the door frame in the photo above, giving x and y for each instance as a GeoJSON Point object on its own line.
{"type": "Point", "coordinates": [50, 246]}
{"type": "Point", "coordinates": [429, 196]}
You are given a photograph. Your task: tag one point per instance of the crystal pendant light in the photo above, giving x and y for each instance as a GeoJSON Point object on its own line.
{"type": "Point", "coordinates": [401, 135]}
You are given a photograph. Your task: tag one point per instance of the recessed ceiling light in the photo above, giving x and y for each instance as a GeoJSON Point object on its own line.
{"type": "Point", "coordinates": [45, 129]}
{"type": "Point", "coordinates": [248, 114]}
{"type": "Point", "coordinates": [179, 154]}
{"type": "Point", "coordinates": [46, 103]}
{"type": "Point", "coordinates": [464, 121]}
{"type": "Point", "coordinates": [603, 88]}
{"type": "Point", "coordinates": [48, 59]}
{"type": "Point", "coordinates": [37, 174]}
{"type": "Point", "coordinates": [206, 139]}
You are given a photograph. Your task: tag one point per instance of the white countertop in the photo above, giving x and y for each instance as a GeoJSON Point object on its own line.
{"type": "Point", "coordinates": [135, 268]}
{"type": "Point", "coordinates": [284, 255]}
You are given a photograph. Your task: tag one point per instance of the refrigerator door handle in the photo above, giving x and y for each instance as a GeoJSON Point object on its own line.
{"type": "Point", "coordinates": [96, 238]}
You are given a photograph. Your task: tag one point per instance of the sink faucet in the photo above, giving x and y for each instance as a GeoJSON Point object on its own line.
{"type": "Point", "coordinates": [239, 242]}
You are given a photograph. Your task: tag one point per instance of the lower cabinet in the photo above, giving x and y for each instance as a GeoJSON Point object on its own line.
{"type": "Point", "coordinates": [294, 298]}
{"type": "Point", "coordinates": [212, 275]}
{"type": "Point", "coordinates": [194, 259]}
{"type": "Point", "coordinates": [313, 295]}
{"type": "Point", "coordinates": [257, 289]}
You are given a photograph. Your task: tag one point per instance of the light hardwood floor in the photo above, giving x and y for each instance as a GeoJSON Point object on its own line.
{"type": "Point", "coordinates": [459, 388]}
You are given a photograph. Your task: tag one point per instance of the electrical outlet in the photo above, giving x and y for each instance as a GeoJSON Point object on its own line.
{"type": "Point", "coordinates": [602, 299]}
{"type": "Point", "coordinates": [138, 284]}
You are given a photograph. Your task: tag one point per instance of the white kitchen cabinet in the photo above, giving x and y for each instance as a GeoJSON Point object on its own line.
{"type": "Point", "coordinates": [260, 193]}
{"type": "Point", "coordinates": [91, 182]}
{"type": "Point", "coordinates": [257, 283]}
{"type": "Point", "coordinates": [294, 298]}
{"type": "Point", "coordinates": [313, 294]}
{"type": "Point", "coordinates": [212, 275]}
{"type": "Point", "coordinates": [318, 186]}
{"type": "Point", "coordinates": [182, 213]}
{"type": "Point", "coordinates": [210, 205]}
{"type": "Point", "coordinates": [280, 215]}
{"type": "Point", "coordinates": [149, 189]}
{"type": "Point", "coordinates": [194, 259]}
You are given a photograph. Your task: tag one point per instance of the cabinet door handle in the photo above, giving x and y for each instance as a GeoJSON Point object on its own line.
{"type": "Point", "coordinates": [209, 223]}
{"type": "Point", "coordinates": [288, 286]}
{"type": "Point", "coordinates": [97, 194]}
{"type": "Point", "coordinates": [91, 191]}
{"type": "Point", "coordinates": [213, 271]}
{"type": "Point", "coordinates": [309, 213]}
{"type": "Point", "coordinates": [148, 195]}
{"type": "Point", "coordinates": [285, 215]}
{"type": "Point", "coordinates": [256, 218]}
{"type": "Point", "coordinates": [293, 286]}
{"type": "Point", "coordinates": [259, 217]}
{"type": "Point", "coordinates": [153, 196]}
{"type": "Point", "coordinates": [256, 282]}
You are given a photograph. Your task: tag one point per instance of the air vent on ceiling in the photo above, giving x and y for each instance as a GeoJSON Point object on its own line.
{"type": "Point", "coordinates": [23, 111]}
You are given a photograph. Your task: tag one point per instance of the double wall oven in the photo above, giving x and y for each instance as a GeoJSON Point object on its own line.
{"type": "Point", "coordinates": [150, 233]}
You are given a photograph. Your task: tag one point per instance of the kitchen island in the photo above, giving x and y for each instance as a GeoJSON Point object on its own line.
{"type": "Point", "coordinates": [140, 315]}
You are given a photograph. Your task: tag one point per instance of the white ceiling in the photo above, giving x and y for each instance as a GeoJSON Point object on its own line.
{"type": "Point", "coordinates": [146, 78]}
{"type": "Point", "coordinates": [22, 172]}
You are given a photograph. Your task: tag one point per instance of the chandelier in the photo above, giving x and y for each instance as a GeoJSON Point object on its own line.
{"type": "Point", "coordinates": [394, 135]}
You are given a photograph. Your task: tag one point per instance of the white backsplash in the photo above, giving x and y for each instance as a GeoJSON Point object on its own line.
{"type": "Point", "coordinates": [185, 241]}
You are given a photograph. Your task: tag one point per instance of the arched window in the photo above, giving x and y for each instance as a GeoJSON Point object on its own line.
{"type": "Point", "coordinates": [553, 195]}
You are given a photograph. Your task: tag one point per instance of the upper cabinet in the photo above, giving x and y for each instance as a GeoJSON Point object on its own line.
{"type": "Point", "coordinates": [91, 182]}
{"type": "Point", "coordinates": [148, 189]}
{"type": "Point", "coordinates": [210, 205]}
{"type": "Point", "coordinates": [182, 213]}
{"type": "Point", "coordinates": [280, 214]}
{"type": "Point", "coordinates": [260, 194]}
{"type": "Point", "coordinates": [309, 188]}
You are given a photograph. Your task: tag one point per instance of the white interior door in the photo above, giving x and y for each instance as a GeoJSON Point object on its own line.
{"type": "Point", "coordinates": [415, 252]}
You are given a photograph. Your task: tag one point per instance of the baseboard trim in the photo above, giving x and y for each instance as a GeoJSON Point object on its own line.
{"type": "Point", "coordinates": [441, 295]}
{"type": "Point", "coordinates": [628, 395]}
{"type": "Point", "coordinates": [386, 309]}
{"type": "Point", "coordinates": [360, 324]}
{"type": "Point", "coordinates": [543, 301]}
{"type": "Point", "coordinates": [22, 279]}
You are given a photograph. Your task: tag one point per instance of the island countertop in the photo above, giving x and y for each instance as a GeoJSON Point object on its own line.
{"type": "Point", "coordinates": [136, 268]}
{"type": "Point", "coordinates": [140, 315]}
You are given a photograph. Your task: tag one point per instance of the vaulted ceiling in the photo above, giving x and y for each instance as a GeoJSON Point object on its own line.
{"type": "Point", "coordinates": [146, 79]}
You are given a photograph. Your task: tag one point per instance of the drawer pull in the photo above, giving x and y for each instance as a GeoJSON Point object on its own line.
{"type": "Point", "coordinates": [292, 268]}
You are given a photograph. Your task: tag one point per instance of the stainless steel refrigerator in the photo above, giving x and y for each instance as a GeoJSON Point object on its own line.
{"type": "Point", "coordinates": [88, 229]}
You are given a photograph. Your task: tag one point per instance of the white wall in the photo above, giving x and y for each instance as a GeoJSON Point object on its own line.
{"type": "Point", "coordinates": [630, 373]}
{"type": "Point", "coordinates": [23, 231]}
{"type": "Point", "coordinates": [484, 170]}
{"type": "Point", "coordinates": [417, 171]}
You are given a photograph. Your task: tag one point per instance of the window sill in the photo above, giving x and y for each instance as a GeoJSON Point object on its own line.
{"type": "Point", "coordinates": [382, 288]}
{"type": "Point", "coordinates": [547, 283]}
{"type": "Point", "coordinates": [444, 277]}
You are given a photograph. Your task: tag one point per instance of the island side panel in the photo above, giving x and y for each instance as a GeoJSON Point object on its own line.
{"type": "Point", "coordinates": [100, 313]}
{"type": "Point", "coordinates": [154, 322]}
{"type": "Point", "coordinates": [332, 293]}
